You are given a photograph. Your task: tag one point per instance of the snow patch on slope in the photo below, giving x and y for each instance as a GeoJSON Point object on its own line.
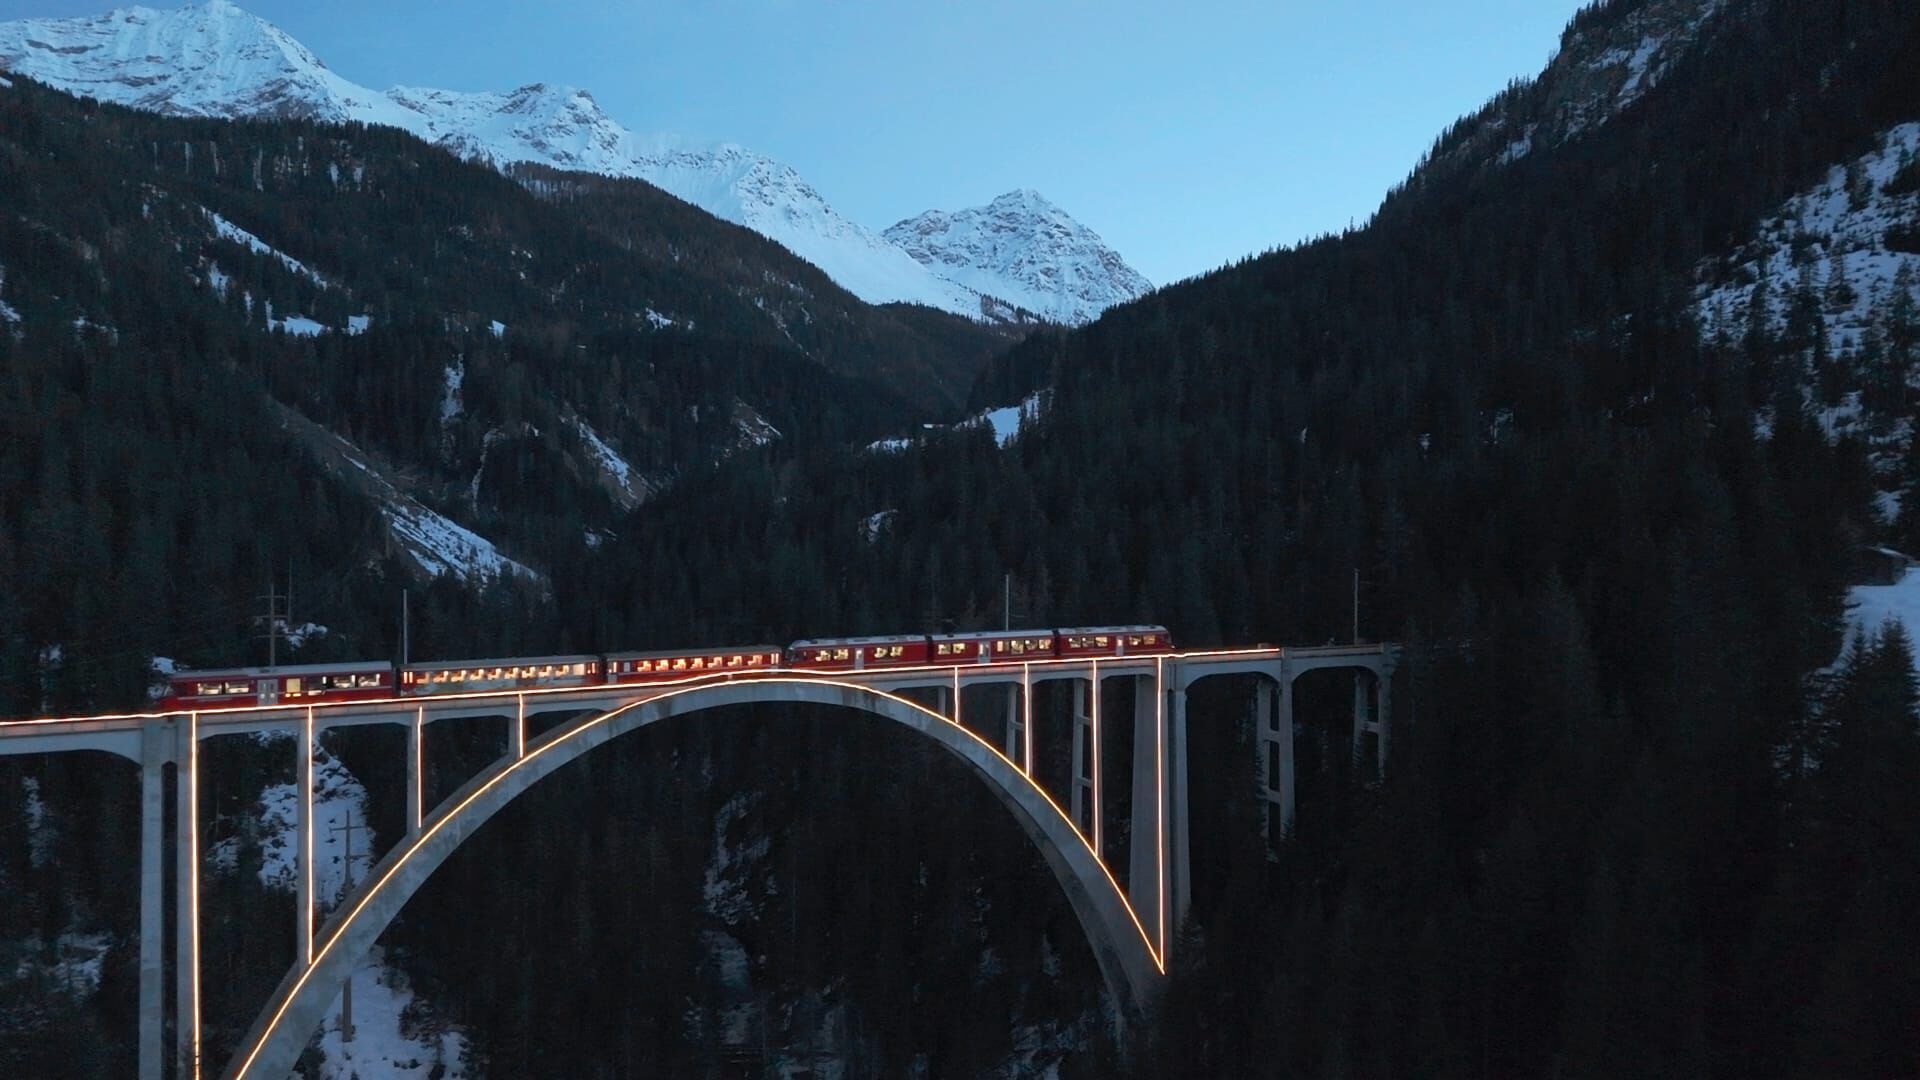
{"type": "Point", "coordinates": [617, 476]}
{"type": "Point", "coordinates": [227, 230]}
{"type": "Point", "coordinates": [436, 545]}
{"type": "Point", "coordinates": [1828, 246]}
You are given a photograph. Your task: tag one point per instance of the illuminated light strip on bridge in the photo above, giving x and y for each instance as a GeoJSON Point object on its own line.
{"type": "Point", "coordinates": [1274, 652]}
{"type": "Point", "coordinates": [1160, 792]}
{"type": "Point", "coordinates": [451, 814]}
{"type": "Point", "coordinates": [417, 781]}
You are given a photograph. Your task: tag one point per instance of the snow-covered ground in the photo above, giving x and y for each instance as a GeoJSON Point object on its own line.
{"type": "Point", "coordinates": [452, 380]}
{"type": "Point", "coordinates": [1008, 420]}
{"type": "Point", "coordinates": [337, 796]}
{"type": "Point", "coordinates": [1830, 241]}
{"type": "Point", "coordinates": [391, 1036]}
{"type": "Point", "coordinates": [1872, 605]}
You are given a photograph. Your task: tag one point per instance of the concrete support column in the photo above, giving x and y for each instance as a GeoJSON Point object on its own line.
{"type": "Point", "coordinates": [153, 898]}
{"type": "Point", "coordinates": [1015, 727]}
{"type": "Point", "coordinates": [1288, 785]}
{"type": "Point", "coordinates": [1179, 850]}
{"type": "Point", "coordinates": [1273, 757]}
{"type": "Point", "coordinates": [1360, 721]}
{"type": "Point", "coordinates": [186, 851]}
{"type": "Point", "coordinates": [1147, 843]}
{"type": "Point", "coordinates": [1082, 800]}
{"type": "Point", "coordinates": [416, 769]}
{"type": "Point", "coordinates": [1382, 714]}
{"type": "Point", "coordinates": [303, 842]}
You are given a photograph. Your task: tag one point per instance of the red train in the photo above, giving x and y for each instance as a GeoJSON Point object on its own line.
{"type": "Point", "coordinates": [307, 684]}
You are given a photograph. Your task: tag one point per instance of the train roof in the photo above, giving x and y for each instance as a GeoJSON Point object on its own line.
{"type": "Point", "coordinates": [692, 652]}
{"type": "Point", "coordinates": [975, 635]}
{"type": "Point", "coordinates": [283, 669]}
{"type": "Point", "coordinates": [890, 639]}
{"type": "Point", "coordinates": [504, 661]}
{"type": "Point", "coordinates": [1113, 630]}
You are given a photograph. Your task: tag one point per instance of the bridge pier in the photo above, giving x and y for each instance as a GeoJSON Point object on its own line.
{"type": "Point", "coordinates": [1179, 841]}
{"type": "Point", "coordinates": [1274, 762]}
{"type": "Point", "coordinates": [1085, 799]}
{"type": "Point", "coordinates": [153, 894]}
{"type": "Point", "coordinates": [303, 842]}
{"type": "Point", "coordinates": [1370, 716]}
{"type": "Point", "coordinates": [1147, 844]}
{"type": "Point", "coordinates": [1016, 726]}
{"type": "Point", "coordinates": [186, 900]}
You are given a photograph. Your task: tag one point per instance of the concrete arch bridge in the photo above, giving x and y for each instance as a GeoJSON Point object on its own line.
{"type": "Point", "coordinates": [1129, 928]}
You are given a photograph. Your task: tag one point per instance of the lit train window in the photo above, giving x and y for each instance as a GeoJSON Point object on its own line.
{"type": "Point", "coordinates": [368, 680]}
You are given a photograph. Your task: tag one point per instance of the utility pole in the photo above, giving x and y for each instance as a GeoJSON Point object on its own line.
{"type": "Point", "coordinates": [406, 623]}
{"type": "Point", "coordinates": [1356, 605]}
{"type": "Point", "coordinates": [346, 991]}
{"type": "Point", "coordinates": [275, 620]}
{"type": "Point", "coordinates": [1006, 601]}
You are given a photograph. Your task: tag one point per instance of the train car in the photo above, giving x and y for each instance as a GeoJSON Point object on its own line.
{"type": "Point", "coordinates": [514, 673]}
{"type": "Point", "coordinates": [1114, 641]}
{"type": "Point", "coordinates": [666, 666]}
{"type": "Point", "coordinates": [859, 654]}
{"type": "Point", "coordinates": [994, 647]}
{"type": "Point", "coordinates": [294, 684]}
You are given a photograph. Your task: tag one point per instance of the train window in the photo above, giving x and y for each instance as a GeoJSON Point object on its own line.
{"type": "Point", "coordinates": [367, 681]}
{"type": "Point", "coordinates": [206, 689]}
{"type": "Point", "coordinates": [1102, 641]}
{"type": "Point", "coordinates": [293, 687]}
{"type": "Point", "coordinates": [239, 688]}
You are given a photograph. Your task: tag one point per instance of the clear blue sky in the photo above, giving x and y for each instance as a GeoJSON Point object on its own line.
{"type": "Point", "coordinates": [1187, 133]}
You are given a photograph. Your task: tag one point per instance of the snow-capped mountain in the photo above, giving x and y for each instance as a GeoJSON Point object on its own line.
{"type": "Point", "coordinates": [216, 60]}
{"type": "Point", "coordinates": [1023, 248]}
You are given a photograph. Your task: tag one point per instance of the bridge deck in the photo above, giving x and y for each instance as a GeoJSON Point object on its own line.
{"type": "Point", "coordinates": [120, 733]}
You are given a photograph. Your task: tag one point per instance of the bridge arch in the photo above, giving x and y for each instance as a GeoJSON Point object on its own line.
{"type": "Point", "coordinates": [1127, 960]}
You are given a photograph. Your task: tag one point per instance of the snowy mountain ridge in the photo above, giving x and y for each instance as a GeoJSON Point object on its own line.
{"type": "Point", "coordinates": [1024, 249]}
{"type": "Point", "coordinates": [215, 60]}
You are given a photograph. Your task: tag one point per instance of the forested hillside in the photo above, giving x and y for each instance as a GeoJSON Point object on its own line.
{"type": "Point", "coordinates": [529, 360]}
{"type": "Point", "coordinates": [1648, 812]}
